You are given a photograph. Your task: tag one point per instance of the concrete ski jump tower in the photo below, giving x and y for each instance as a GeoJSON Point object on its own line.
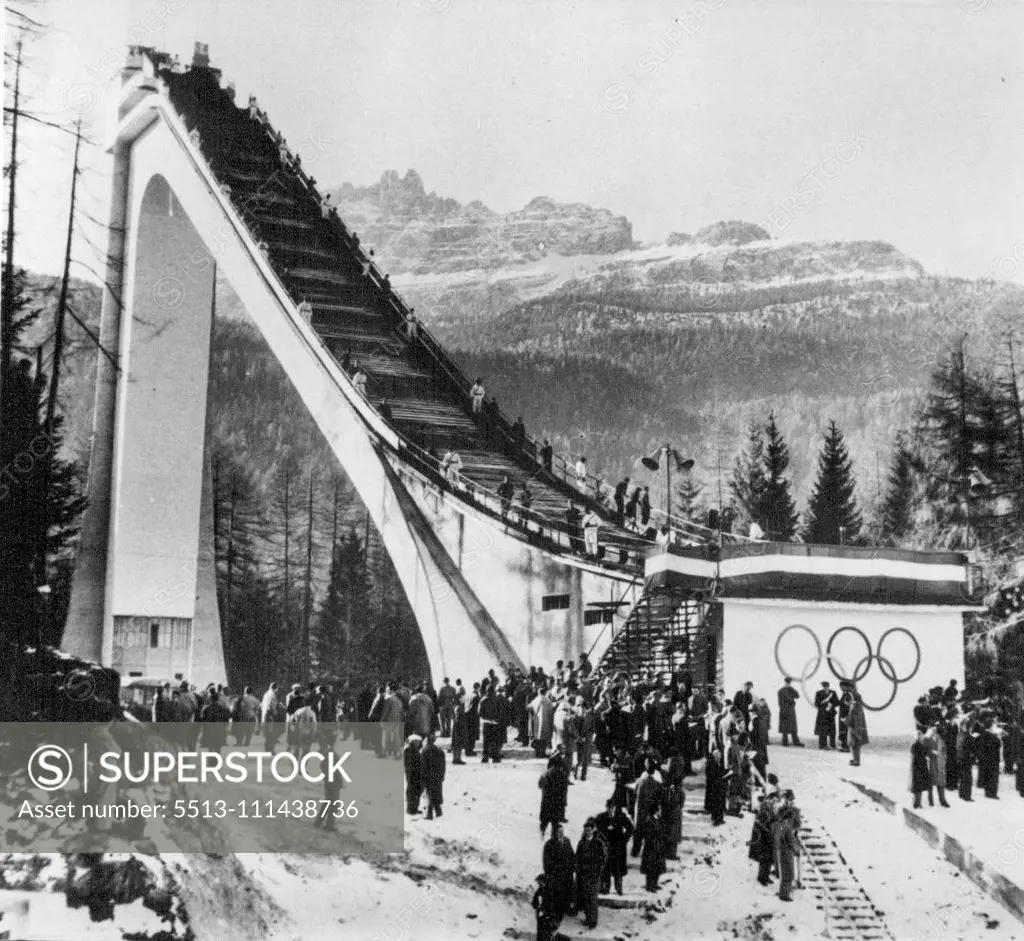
{"type": "Point", "coordinates": [202, 185]}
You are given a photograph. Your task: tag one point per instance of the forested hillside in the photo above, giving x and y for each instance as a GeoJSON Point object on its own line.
{"type": "Point", "coordinates": [616, 361]}
{"type": "Point", "coordinates": [858, 354]}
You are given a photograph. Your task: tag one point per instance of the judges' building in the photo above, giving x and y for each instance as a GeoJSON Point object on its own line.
{"type": "Point", "coordinates": [891, 620]}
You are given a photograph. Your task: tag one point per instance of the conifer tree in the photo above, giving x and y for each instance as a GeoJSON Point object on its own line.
{"type": "Point", "coordinates": [344, 613]}
{"type": "Point", "coordinates": [688, 503]}
{"type": "Point", "coordinates": [945, 424]}
{"type": "Point", "coordinates": [285, 567]}
{"type": "Point", "coordinates": [833, 505]}
{"type": "Point", "coordinates": [19, 418]}
{"type": "Point", "coordinates": [240, 530]}
{"type": "Point", "coordinates": [969, 425]}
{"type": "Point", "coordinates": [1015, 423]}
{"type": "Point", "coordinates": [898, 504]}
{"type": "Point", "coordinates": [993, 448]}
{"type": "Point", "coordinates": [748, 480]}
{"type": "Point", "coordinates": [776, 513]}
{"type": "Point", "coordinates": [41, 502]}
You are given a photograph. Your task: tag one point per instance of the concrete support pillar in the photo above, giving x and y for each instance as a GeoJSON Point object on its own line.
{"type": "Point", "coordinates": [83, 633]}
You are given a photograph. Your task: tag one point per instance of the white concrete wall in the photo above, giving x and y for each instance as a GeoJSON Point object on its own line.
{"type": "Point", "coordinates": [161, 413]}
{"type": "Point", "coordinates": [510, 578]}
{"type": "Point", "coordinates": [755, 636]}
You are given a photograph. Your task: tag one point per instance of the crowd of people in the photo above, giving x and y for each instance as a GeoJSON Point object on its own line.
{"type": "Point", "coordinates": [645, 734]}
{"type": "Point", "coordinates": [953, 734]}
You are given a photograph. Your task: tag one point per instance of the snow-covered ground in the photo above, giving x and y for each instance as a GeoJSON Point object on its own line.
{"type": "Point", "coordinates": [922, 895]}
{"type": "Point", "coordinates": [993, 830]}
{"type": "Point", "coordinates": [469, 874]}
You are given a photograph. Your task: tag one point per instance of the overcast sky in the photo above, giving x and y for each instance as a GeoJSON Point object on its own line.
{"type": "Point", "coordinates": [824, 119]}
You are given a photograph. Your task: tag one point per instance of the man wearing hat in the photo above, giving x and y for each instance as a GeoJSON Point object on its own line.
{"type": "Point", "coordinates": [743, 700]}
{"type": "Point", "coordinates": [293, 702]}
{"type": "Point", "coordinates": [787, 713]}
{"type": "Point", "coordinates": [432, 772]}
{"type": "Point", "coordinates": [786, 840]}
{"type": "Point", "coordinates": [826, 702]}
{"type": "Point", "coordinates": [845, 703]}
{"type": "Point", "coordinates": [591, 856]}
{"type": "Point", "coordinates": [413, 762]}
{"type": "Point", "coordinates": [560, 872]}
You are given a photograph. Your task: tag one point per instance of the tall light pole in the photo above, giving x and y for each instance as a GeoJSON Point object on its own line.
{"type": "Point", "coordinates": [684, 466]}
{"type": "Point", "coordinates": [668, 484]}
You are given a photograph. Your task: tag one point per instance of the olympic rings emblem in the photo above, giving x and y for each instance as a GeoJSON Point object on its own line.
{"type": "Point", "coordinates": [863, 666]}
{"type": "Point", "coordinates": [806, 674]}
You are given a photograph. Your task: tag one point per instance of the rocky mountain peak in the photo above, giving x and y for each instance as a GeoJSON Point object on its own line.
{"type": "Point", "coordinates": [413, 231]}
{"type": "Point", "coordinates": [732, 232]}
{"type": "Point", "coordinates": [411, 184]}
{"type": "Point", "coordinates": [541, 202]}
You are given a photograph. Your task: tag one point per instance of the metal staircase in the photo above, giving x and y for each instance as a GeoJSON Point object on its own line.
{"type": "Point", "coordinates": [666, 632]}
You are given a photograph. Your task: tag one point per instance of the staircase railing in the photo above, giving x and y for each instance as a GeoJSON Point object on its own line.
{"type": "Point", "coordinates": [634, 629]}
{"type": "Point", "coordinates": [621, 652]}
{"type": "Point", "coordinates": [611, 624]}
{"type": "Point", "coordinates": [555, 530]}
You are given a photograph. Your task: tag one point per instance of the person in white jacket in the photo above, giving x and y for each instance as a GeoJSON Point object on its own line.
{"type": "Point", "coordinates": [591, 527]}
{"type": "Point", "coordinates": [303, 722]}
{"type": "Point", "coordinates": [565, 727]}
{"type": "Point", "coordinates": [476, 395]}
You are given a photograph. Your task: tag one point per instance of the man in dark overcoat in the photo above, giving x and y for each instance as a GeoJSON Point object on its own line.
{"type": "Point", "coordinates": [432, 770]}
{"type": "Point", "coordinates": [826, 702]}
{"type": "Point", "coordinates": [559, 872]}
{"type": "Point", "coordinates": [591, 856]}
{"type": "Point", "coordinates": [616, 828]}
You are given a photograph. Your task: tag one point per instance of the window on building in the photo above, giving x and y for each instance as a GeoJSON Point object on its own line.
{"type": "Point", "coordinates": [129, 632]}
{"type": "Point", "coordinates": [181, 635]}
{"type": "Point", "coordinates": [554, 603]}
{"type": "Point", "coordinates": [599, 616]}
{"type": "Point", "coordinates": [154, 634]}
{"type": "Point", "coordinates": [135, 674]}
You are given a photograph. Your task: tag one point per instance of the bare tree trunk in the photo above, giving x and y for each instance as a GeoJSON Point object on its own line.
{"type": "Point", "coordinates": [7, 305]}
{"type": "Point", "coordinates": [229, 573]}
{"type": "Point", "coordinates": [62, 302]}
{"type": "Point", "coordinates": [287, 566]}
{"type": "Point", "coordinates": [334, 553]}
{"type": "Point", "coordinates": [1018, 427]}
{"type": "Point", "coordinates": [308, 598]}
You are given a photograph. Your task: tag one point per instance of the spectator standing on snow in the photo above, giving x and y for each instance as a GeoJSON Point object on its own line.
{"type": "Point", "coordinates": [591, 856]}
{"type": "Point", "coordinates": [432, 772]}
